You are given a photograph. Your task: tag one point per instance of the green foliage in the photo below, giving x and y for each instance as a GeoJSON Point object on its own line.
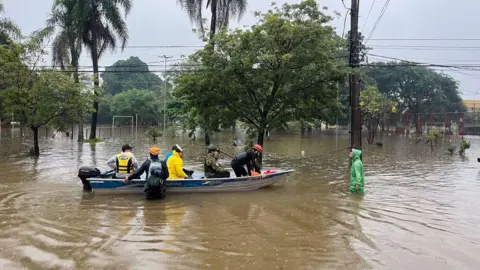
{"type": "Point", "coordinates": [8, 29]}
{"type": "Point", "coordinates": [129, 74]}
{"type": "Point", "coordinates": [92, 141]}
{"type": "Point", "coordinates": [464, 145]}
{"type": "Point", "coordinates": [145, 103]}
{"type": "Point", "coordinates": [286, 67]}
{"type": "Point", "coordinates": [39, 97]}
{"type": "Point", "coordinates": [374, 105]}
{"type": "Point", "coordinates": [434, 136]}
{"type": "Point", "coordinates": [451, 149]}
{"type": "Point", "coordinates": [416, 90]}
{"type": "Point", "coordinates": [153, 133]}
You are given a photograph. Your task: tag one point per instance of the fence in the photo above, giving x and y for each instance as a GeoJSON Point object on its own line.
{"type": "Point", "coordinates": [450, 123]}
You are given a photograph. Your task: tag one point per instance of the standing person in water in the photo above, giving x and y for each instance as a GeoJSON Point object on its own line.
{"type": "Point", "coordinates": [247, 158]}
{"type": "Point", "coordinates": [357, 178]}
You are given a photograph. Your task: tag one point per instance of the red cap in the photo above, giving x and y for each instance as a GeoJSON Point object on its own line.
{"type": "Point", "coordinates": [258, 147]}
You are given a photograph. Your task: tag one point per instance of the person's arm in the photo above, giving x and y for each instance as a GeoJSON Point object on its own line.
{"type": "Point", "coordinates": [256, 165]}
{"type": "Point", "coordinates": [179, 168]}
{"type": "Point", "coordinates": [112, 162]}
{"type": "Point", "coordinates": [140, 171]}
{"type": "Point", "coordinates": [134, 162]}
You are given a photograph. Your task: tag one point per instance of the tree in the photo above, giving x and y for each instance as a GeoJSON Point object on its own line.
{"type": "Point", "coordinates": [128, 74]}
{"type": "Point", "coordinates": [416, 89]}
{"type": "Point", "coordinates": [142, 102]}
{"type": "Point", "coordinates": [40, 97]}
{"type": "Point", "coordinates": [8, 28]}
{"type": "Point", "coordinates": [265, 75]}
{"type": "Point", "coordinates": [67, 44]}
{"type": "Point", "coordinates": [374, 104]}
{"type": "Point", "coordinates": [103, 25]}
{"type": "Point", "coordinates": [222, 11]}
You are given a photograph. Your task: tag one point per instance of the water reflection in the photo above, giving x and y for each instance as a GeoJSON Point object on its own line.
{"type": "Point", "coordinates": [419, 211]}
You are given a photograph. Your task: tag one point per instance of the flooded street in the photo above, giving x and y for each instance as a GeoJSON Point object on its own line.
{"type": "Point", "coordinates": [420, 211]}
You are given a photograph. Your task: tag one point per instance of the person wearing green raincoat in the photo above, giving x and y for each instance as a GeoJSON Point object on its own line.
{"type": "Point", "coordinates": [357, 179]}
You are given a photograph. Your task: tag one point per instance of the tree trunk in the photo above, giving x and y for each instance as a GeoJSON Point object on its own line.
{"type": "Point", "coordinates": [213, 23]}
{"type": "Point", "coordinates": [260, 138]}
{"type": "Point", "coordinates": [96, 84]}
{"type": "Point", "coordinates": [207, 138]}
{"type": "Point", "coordinates": [372, 130]}
{"type": "Point", "coordinates": [80, 132]}
{"type": "Point", "coordinates": [418, 127]}
{"type": "Point", "coordinates": [36, 148]}
{"type": "Point", "coordinates": [74, 54]}
{"type": "Point", "coordinates": [71, 133]}
{"type": "Point", "coordinates": [22, 129]}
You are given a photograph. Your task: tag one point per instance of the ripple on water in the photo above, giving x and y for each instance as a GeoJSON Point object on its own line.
{"type": "Point", "coordinates": [419, 211]}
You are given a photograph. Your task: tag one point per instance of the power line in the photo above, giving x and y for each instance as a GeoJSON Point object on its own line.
{"type": "Point", "coordinates": [428, 39]}
{"type": "Point", "coordinates": [425, 47]}
{"type": "Point", "coordinates": [155, 46]}
{"type": "Point", "coordinates": [368, 16]}
{"type": "Point", "coordinates": [378, 20]}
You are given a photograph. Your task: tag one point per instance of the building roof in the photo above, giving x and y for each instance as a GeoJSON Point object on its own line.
{"type": "Point", "coordinates": [472, 103]}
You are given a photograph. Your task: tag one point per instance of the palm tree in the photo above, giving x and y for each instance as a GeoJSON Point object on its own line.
{"type": "Point", "coordinates": [222, 11]}
{"type": "Point", "coordinates": [67, 44]}
{"type": "Point", "coordinates": [102, 25]}
{"type": "Point", "coordinates": [8, 28]}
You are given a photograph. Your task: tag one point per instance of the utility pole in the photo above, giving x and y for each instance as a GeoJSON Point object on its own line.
{"type": "Point", "coordinates": [165, 95]}
{"type": "Point", "coordinates": [354, 62]}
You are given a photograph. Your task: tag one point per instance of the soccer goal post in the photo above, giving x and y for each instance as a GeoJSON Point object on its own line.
{"type": "Point", "coordinates": [121, 116]}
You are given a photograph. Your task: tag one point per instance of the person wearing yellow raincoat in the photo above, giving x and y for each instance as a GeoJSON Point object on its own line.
{"type": "Point", "coordinates": [175, 165]}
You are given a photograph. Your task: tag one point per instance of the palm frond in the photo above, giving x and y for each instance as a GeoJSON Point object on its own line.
{"type": "Point", "coordinates": [194, 10]}
{"type": "Point", "coordinates": [60, 53]}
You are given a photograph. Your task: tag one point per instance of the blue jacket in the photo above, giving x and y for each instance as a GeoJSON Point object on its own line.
{"type": "Point", "coordinates": [169, 154]}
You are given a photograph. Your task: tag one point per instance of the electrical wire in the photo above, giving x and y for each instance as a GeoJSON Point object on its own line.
{"type": "Point", "coordinates": [368, 16]}
{"type": "Point", "coordinates": [378, 20]}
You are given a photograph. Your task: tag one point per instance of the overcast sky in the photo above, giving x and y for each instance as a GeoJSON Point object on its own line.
{"type": "Point", "coordinates": [163, 22]}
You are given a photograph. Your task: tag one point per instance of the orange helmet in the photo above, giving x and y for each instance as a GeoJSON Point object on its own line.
{"type": "Point", "coordinates": [258, 147]}
{"type": "Point", "coordinates": [155, 151]}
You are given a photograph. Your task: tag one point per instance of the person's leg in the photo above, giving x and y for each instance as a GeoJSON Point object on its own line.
{"type": "Point", "coordinates": [220, 175]}
{"type": "Point", "coordinates": [237, 169]}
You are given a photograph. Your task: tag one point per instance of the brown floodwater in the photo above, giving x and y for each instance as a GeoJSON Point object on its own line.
{"type": "Point", "coordinates": [420, 210]}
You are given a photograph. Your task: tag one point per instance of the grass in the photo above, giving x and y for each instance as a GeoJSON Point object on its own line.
{"type": "Point", "coordinates": [96, 140]}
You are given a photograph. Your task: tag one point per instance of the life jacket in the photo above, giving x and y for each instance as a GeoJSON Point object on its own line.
{"type": "Point", "coordinates": [124, 163]}
{"type": "Point", "coordinates": [155, 176]}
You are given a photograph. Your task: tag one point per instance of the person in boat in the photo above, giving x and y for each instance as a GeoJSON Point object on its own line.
{"type": "Point", "coordinates": [357, 178]}
{"type": "Point", "coordinates": [169, 154]}
{"type": "Point", "coordinates": [175, 165]}
{"type": "Point", "coordinates": [123, 163]}
{"type": "Point", "coordinates": [247, 158]}
{"type": "Point", "coordinates": [156, 175]}
{"type": "Point", "coordinates": [211, 167]}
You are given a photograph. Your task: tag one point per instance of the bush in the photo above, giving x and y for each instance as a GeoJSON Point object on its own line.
{"type": "Point", "coordinates": [464, 145]}
{"type": "Point", "coordinates": [153, 133]}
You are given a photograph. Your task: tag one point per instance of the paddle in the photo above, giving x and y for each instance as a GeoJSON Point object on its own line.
{"type": "Point", "coordinates": [231, 155]}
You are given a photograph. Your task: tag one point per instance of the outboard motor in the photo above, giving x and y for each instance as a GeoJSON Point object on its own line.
{"type": "Point", "coordinates": [86, 172]}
